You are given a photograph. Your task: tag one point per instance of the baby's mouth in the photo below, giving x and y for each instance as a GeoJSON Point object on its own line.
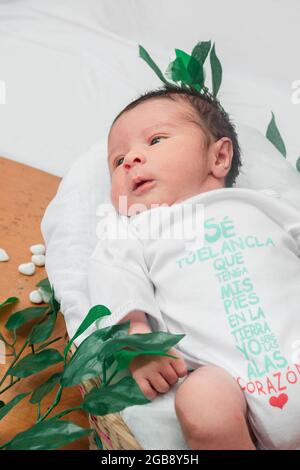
{"type": "Point", "coordinates": [142, 185]}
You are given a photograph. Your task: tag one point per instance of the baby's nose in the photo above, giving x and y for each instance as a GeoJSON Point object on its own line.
{"type": "Point", "coordinates": [131, 160]}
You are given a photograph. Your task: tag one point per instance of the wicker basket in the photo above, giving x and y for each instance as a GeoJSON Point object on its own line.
{"type": "Point", "coordinates": [111, 433]}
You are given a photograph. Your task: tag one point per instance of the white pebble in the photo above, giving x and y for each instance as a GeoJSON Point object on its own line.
{"type": "Point", "coordinates": [38, 249]}
{"type": "Point", "coordinates": [46, 297]}
{"type": "Point", "coordinates": [35, 297]}
{"type": "Point", "coordinates": [3, 255]}
{"type": "Point", "coordinates": [38, 260]}
{"type": "Point", "coordinates": [27, 268]}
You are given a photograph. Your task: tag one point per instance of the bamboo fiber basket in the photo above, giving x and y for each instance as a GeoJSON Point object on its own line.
{"type": "Point", "coordinates": [110, 431]}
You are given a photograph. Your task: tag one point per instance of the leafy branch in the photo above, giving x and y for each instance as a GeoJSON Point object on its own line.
{"type": "Point", "coordinates": [188, 70]}
{"type": "Point", "coordinates": [106, 354]}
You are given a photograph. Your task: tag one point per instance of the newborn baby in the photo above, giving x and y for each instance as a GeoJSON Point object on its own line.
{"type": "Point", "coordinates": [173, 158]}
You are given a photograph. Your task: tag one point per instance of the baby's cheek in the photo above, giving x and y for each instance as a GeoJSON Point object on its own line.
{"type": "Point", "coordinates": [119, 199]}
{"type": "Point", "coordinates": [117, 188]}
{"type": "Point", "coordinates": [114, 196]}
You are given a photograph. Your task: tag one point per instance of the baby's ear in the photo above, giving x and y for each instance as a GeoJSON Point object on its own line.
{"type": "Point", "coordinates": [221, 157]}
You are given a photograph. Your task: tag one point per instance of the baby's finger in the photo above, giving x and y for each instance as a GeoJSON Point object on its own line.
{"type": "Point", "coordinates": [146, 388]}
{"type": "Point", "coordinates": [169, 374]}
{"type": "Point", "coordinates": [159, 383]}
{"type": "Point", "coordinates": [179, 366]}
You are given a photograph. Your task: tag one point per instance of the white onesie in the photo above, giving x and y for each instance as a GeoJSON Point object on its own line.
{"type": "Point", "coordinates": [235, 294]}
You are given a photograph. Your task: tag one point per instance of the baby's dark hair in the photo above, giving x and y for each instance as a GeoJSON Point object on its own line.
{"type": "Point", "coordinates": [213, 120]}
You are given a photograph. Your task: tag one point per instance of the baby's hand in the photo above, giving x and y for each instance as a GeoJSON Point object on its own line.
{"type": "Point", "coordinates": [156, 374]}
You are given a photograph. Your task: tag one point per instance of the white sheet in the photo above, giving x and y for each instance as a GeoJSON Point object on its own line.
{"type": "Point", "coordinates": [70, 65]}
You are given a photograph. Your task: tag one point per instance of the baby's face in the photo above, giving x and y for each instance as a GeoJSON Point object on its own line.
{"type": "Point", "coordinates": [156, 143]}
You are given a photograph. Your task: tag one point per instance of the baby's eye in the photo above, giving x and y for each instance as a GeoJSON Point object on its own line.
{"type": "Point", "coordinates": [118, 160]}
{"type": "Point", "coordinates": [155, 138]}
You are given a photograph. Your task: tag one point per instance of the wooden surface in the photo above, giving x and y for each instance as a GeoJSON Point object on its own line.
{"type": "Point", "coordinates": [24, 194]}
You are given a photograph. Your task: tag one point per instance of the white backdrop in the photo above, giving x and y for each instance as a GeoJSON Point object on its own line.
{"type": "Point", "coordinates": [68, 66]}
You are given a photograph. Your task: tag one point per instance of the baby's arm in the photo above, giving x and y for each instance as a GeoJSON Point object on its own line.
{"type": "Point", "coordinates": [153, 374]}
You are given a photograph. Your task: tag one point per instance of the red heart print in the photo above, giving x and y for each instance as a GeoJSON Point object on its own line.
{"type": "Point", "coordinates": [279, 401]}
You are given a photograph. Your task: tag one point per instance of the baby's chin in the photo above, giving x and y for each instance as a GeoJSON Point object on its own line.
{"type": "Point", "coordinates": [134, 208]}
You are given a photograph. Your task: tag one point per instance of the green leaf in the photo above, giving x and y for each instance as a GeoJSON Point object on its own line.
{"type": "Point", "coordinates": [45, 284]}
{"type": "Point", "coordinates": [298, 164]}
{"type": "Point", "coordinates": [114, 398]}
{"type": "Point", "coordinates": [183, 56]}
{"type": "Point", "coordinates": [273, 135]}
{"type": "Point", "coordinates": [200, 53]}
{"type": "Point", "coordinates": [55, 306]}
{"type": "Point", "coordinates": [197, 87]}
{"type": "Point", "coordinates": [45, 345]}
{"type": "Point", "coordinates": [216, 71]}
{"type": "Point", "coordinates": [96, 312]}
{"type": "Point", "coordinates": [150, 341]}
{"type": "Point", "coordinates": [23, 316]}
{"type": "Point", "coordinates": [2, 403]}
{"type": "Point", "coordinates": [48, 435]}
{"type": "Point", "coordinates": [6, 408]}
{"type": "Point", "coordinates": [196, 72]}
{"type": "Point", "coordinates": [177, 70]}
{"type": "Point", "coordinates": [34, 363]}
{"type": "Point", "coordinates": [44, 389]}
{"type": "Point", "coordinates": [124, 357]}
{"type": "Point", "coordinates": [144, 55]}
{"type": "Point", "coordinates": [85, 363]}
{"type": "Point", "coordinates": [43, 330]}
{"type": "Point", "coordinates": [201, 50]}
{"type": "Point", "coordinates": [109, 361]}
{"type": "Point", "coordinates": [140, 342]}
{"type": "Point", "coordinates": [10, 300]}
